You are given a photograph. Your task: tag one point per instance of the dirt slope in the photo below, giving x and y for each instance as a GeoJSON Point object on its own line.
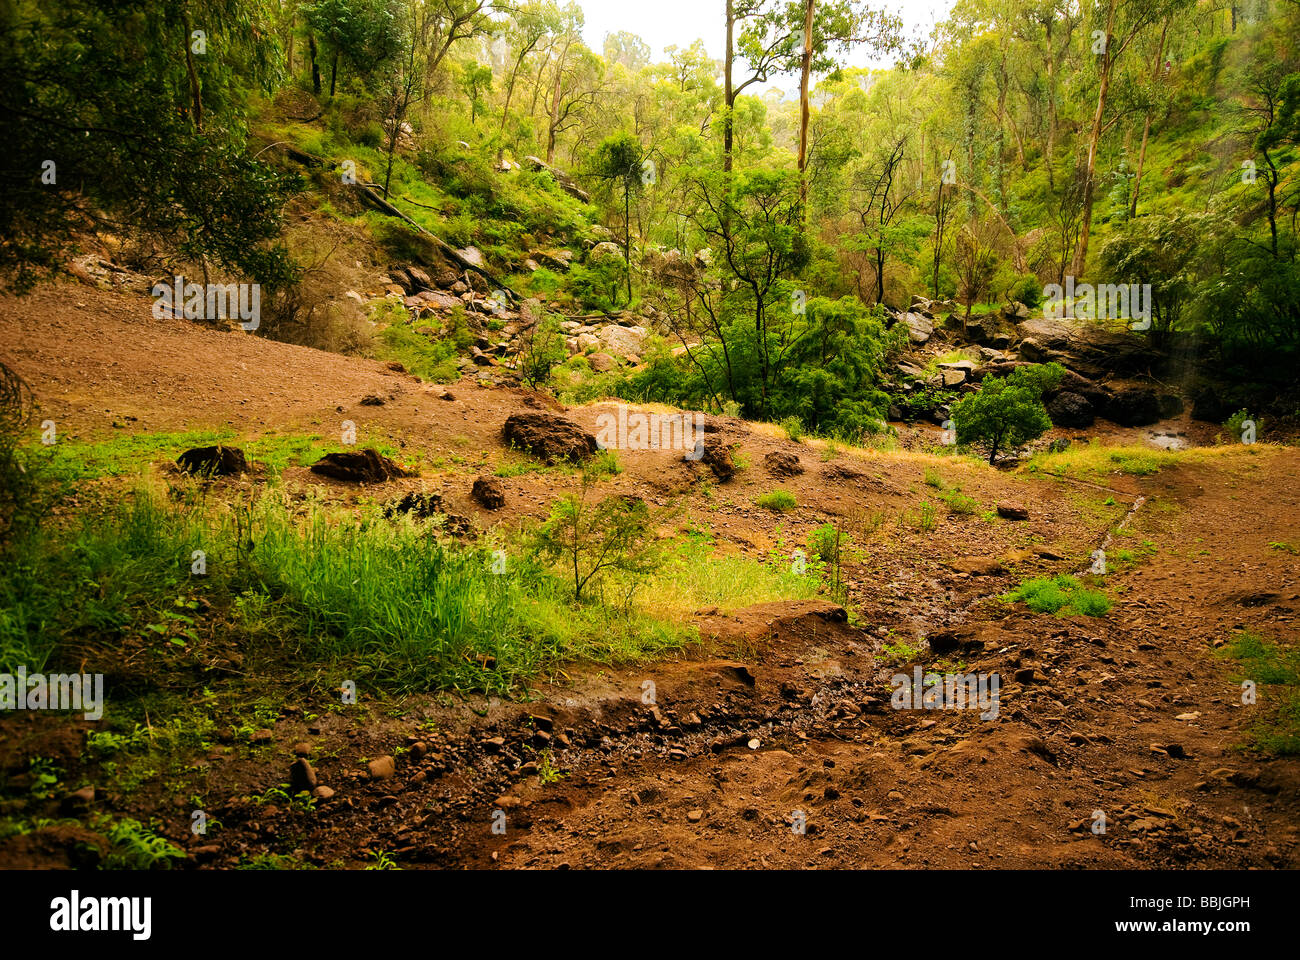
{"type": "Point", "coordinates": [786, 713]}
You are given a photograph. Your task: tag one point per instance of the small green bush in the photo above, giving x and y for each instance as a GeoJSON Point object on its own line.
{"type": "Point", "coordinates": [778, 500]}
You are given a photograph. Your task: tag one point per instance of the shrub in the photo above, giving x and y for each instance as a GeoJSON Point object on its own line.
{"type": "Point", "coordinates": [778, 500]}
{"type": "Point", "coordinates": [1057, 594]}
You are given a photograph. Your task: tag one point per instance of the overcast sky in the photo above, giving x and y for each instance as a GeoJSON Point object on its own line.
{"type": "Point", "coordinates": [663, 23]}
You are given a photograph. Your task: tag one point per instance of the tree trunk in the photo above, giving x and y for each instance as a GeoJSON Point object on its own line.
{"type": "Point", "coordinates": [1146, 126]}
{"type": "Point", "coordinates": [315, 67]}
{"type": "Point", "coordinates": [196, 97]}
{"type": "Point", "coordinates": [1094, 139]}
{"type": "Point", "coordinates": [729, 96]}
{"type": "Point", "coordinates": [334, 73]}
{"type": "Point", "coordinates": [805, 106]}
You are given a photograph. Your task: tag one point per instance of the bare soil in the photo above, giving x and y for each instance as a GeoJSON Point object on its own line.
{"type": "Point", "coordinates": [783, 712]}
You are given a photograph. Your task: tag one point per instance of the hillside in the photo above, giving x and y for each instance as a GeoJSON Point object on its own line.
{"type": "Point", "coordinates": [778, 706]}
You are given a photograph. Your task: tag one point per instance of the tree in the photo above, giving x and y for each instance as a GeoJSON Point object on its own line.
{"type": "Point", "coordinates": [621, 162]}
{"type": "Point", "coordinates": [365, 34]}
{"type": "Point", "coordinates": [628, 49]}
{"type": "Point", "coordinates": [618, 533]}
{"type": "Point", "coordinates": [1007, 412]}
{"type": "Point", "coordinates": [99, 94]}
{"type": "Point", "coordinates": [1119, 22]}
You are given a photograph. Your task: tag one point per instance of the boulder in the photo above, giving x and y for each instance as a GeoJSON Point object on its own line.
{"type": "Point", "coordinates": [366, 466]}
{"type": "Point", "coordinates": [1209, 407]}
{"type": "Point", "coordinates": [474, 256]}
{"type": "Point", "coordinates": [213, 461]}
{"type": "Point", "coordinates": [1069, 409]}
{"type": "Point", "coordinates": [1132, 407]}
{"type": "Point", "coordinates": [919, 329]}
{"type": "Point", "coordinates": [549, 437]}
{"type": "Point", "coordinates": [716, 456]}
{"type": "Point", "coordinates": [1091, 349]}
{"type": "Point", "coordinates": [620, 341]}
{"type": "Point", "coordinates": [1008, 510]}
{"type": "Point", "coordinates": [605, 251]}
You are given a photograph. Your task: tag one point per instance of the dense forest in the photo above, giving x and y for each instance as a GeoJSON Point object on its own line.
{"type": "Point", "coordinates": [1023, 143]}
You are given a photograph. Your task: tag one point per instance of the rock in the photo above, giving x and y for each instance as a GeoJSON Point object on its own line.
{"type": "Point", "coordinates": [301, 776]}
{"type": "Point", "coordinates": [782, 464]}
{"type": "Point", "coordinates": [600, 362]}
{"type": "Point", "coordinates": [473, 256]}
{"type": "Point", "coordinates": [302, 749]}
{"type": "Point", "coordinates": [1008, 510]}
{"type": "Point", "coordinates": [323, 793]}
{"type": "Point", "coordinates": [382, 768]}
{"type": "Point", "coordinates": [1169, 405]}
{"type": "Point", "coordinates": [366, 466]}
{"type": "Point", "coordinates": [261, 737]}
{"type": "Point", "coordinates": [78, 802]}
{"type": "Point", "coordinates": [604, 252]}
{"type": "Point", "coordinates": [489, 493]}
{"type": "Point", "coordinates": [1209, 407]}
{"type": "Point", "coordinates": [1071, 410]}
{"type": "Point", "coordinates": [919, 329]}
{"type": "Point", "coordinates": [420, 505]}
{"type": "Point", "coordinates": [213, 461]}
{"type": "Point", "coordinates": [549, 437]}
{"type": "Point", "coordinates": [1091, 349]}
{"type": "Point", "coordinates": [1132, 407]}
{"type": "Point", "coordinates": [621, 341]}
{"type": "Point", "coordinates": [716, 456]}
{"type": "Point", "coordinates": [418, 751]}
{"type": "Point", "coordinates": [372, 400]}
{"type": "Point", "coordinates": [695, 816]}
{"type": "Point", "coordinates": [1025, 675]}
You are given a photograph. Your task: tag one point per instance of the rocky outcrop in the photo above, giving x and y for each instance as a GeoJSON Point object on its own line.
{"type": "Point", "coordinates": [1090, 349]}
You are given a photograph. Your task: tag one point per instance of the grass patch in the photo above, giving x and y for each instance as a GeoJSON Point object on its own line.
{"type": "Point", "coordinates": [1060, 595]}
{"type": "Point", "coordinates": [1270, 664]}
{"type": "Point", "coordinates": [778, 501]}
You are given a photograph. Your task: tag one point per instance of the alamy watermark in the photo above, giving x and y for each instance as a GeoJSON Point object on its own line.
{"type": "Point", "coordinates": [1105, 301]}
{"type": "Point", "coordinates": [651, 431]}
{"type": "Point", "coordinates": [213, 301]}
{"type": "Point", "coordinates": [56, 691]}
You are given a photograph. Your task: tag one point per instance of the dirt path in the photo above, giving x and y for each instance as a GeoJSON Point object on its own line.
{"type": "Point", "coordinates": [785, 717]}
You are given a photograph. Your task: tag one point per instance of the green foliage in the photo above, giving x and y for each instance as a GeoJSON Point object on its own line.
{"type": "Point", "coordinates": [1007, 411]}
{"type": "Point", "coordinates": [1057, 594]}
{"type": "Point", "coordinates": [778, 501]}
{"type": "Point", "coordinates": [101, 90]}
{"type": "Point", "coordinates": [1274, 665]}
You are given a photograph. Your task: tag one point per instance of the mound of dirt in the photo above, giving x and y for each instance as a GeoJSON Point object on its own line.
{"type": "Point", "coordinates": [548, 437]}
{"type": "Point", "coordinates": [367, 466]}
{"type": "Point", "coordinates": [213, 461]}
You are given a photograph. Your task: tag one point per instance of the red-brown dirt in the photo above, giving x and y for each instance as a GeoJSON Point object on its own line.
{"type": "Point", "coordinates": [784, 710]}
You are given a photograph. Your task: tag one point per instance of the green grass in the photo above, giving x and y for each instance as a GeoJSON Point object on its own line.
{"type": "Point", "coordinates": [130, 455]}
{"type": "Point", "coordinates": [352, 596]}
{"type": "Point", "coordinates": [778, 501]}
{"type": "Point", "coordinates": [126, 454]}
{"type": "Point", "coordinates": [1270, 664]}
{"type": "Point", "coordinates": [1060, 594]}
